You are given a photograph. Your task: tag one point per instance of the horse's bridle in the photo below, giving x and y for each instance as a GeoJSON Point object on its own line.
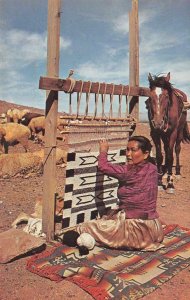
{"type": "Point", "coordinates": [151, 117]}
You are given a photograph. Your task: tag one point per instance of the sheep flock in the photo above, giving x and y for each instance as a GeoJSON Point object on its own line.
{"type": "Point", "coordinates": [19, 126]}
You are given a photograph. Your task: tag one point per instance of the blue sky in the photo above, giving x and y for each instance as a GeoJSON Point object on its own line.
{"type": "Point", "coordinates": [94, 42]}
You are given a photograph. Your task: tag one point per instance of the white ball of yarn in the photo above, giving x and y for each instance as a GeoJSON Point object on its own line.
{"type": "Point", "coordinates": [85, 239]}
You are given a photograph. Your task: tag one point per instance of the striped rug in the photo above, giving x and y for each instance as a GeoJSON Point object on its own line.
{"type": "Point", "coordinates": [116, 274]}
{"type": "Point", "coordinates": [88, 193]}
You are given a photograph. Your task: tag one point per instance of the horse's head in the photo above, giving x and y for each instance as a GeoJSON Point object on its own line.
{"type": "Point", "coordinates": [159, 101]}
{"type": "Point", "coordinates": [159, 81]}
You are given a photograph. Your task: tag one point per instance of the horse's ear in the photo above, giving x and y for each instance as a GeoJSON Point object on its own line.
{"type": "Point", "coordinates": [150, 77]}
{"type": "Point", "coordinates": [168, 77]}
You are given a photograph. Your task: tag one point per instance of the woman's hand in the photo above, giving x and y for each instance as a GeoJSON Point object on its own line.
{"type": "Point", "coordinates": [103, 145]}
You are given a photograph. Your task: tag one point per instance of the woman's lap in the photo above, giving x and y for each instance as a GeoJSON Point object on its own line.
{"type": "Point", "coordinates": [119, 232]}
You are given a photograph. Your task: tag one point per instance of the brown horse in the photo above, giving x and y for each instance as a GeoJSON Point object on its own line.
{"type": "Point", "coordinates": [168, 125]}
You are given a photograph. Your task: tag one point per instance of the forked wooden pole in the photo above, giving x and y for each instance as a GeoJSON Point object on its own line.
{"type": "Point", "coordinates": [134, 58]}
{"type": "Point", "coordinates": [49, 176]}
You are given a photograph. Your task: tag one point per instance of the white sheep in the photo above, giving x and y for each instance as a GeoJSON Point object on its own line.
{"type": "Point", "coordinates": [3, 118]}
{"type": "Point", "coordinates": [15, 115]}
{"type": "Point", "coordinates": [12, 134]}
{"type": "Point", "coordinates": [37, 125]}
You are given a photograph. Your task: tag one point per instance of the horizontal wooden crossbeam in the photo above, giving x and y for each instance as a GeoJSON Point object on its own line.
{"type": "Point", "coordinates": [57, 84]}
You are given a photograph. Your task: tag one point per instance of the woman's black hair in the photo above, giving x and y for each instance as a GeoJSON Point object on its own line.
{"type": "Point", "coordinates": [144, 144]}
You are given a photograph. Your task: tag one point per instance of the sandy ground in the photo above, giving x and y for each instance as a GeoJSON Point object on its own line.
{"type": "Point", "coordinates": [19, 194]}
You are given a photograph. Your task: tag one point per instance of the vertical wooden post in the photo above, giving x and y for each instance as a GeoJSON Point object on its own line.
{"type": "Point", "coordinates": [49, 176]}
{"type": "Point", "coordinates": [134, 57]}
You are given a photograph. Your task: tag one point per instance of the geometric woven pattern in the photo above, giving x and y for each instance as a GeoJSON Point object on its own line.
{"type": "Point", "coordinates": [88, 193]}
{"type": "Point", "coordinates": [116, 274]}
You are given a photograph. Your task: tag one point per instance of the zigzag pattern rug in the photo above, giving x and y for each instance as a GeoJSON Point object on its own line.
{"type": "Point", "coordinates": [88, 193]}
{"type": "Point", "coordinates": [116, 274]}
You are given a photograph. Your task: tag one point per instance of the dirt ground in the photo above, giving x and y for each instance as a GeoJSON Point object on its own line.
{"type": "Point", "coordinates": [19, 194]}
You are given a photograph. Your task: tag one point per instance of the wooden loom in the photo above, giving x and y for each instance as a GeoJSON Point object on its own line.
{"type": "Point", "coordinates": [84, 131]}
{"type": "Point", "coordinates": [115, 124]}
{"type": "Point", "coordinates": [54, 85]}
{"type": "Point", "coordinates": [88, 193]}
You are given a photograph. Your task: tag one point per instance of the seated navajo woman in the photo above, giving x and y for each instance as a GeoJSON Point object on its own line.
{"type": "Point", "coordinates": [135, 224]}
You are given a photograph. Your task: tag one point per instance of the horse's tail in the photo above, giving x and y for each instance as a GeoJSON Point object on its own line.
{"type": "Point", "coordinates": [186, 134]}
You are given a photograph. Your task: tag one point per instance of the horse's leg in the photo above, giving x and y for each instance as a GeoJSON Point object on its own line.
{"type": "Point", "coordinates": [166, 146]}
{"type": "Point", "coordinates": [177, 151]}
{"type": "Point", "coordinates": [170, 185]}
{"type": "Point", "coordinates": [159, 158]}
{"type": "Point", "coordinates": [170, 189]}
{"type": "Point", "coordinates": [180, 136]}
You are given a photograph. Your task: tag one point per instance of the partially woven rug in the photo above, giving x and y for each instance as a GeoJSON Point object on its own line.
{"type": "Point", "coordinates": [116, 274]}
{"type": "Point", "coordinates": [88, 193]}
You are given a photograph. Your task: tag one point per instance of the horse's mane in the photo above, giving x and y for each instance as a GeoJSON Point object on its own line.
{"type": "Point", "coordinates": [159, 81]}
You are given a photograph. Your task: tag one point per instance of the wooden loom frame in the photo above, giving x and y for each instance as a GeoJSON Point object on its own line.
{"type": "Point", "coordinates": [53, 84]}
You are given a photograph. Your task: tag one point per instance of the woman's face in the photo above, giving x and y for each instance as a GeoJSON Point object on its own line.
{"type": "Point", "coordinates": [134, 153]}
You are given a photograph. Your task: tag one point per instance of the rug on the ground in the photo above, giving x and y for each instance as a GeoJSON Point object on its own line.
{"type": "Point", "coordinates": [116, 274]}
